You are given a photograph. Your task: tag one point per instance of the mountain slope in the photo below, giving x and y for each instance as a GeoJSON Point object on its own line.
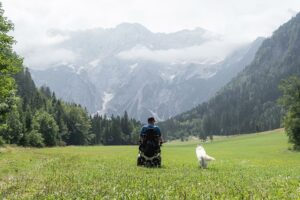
{"type": "Point", "coordinates": [248, 102]}
{"type": "Point", "coordinates": [164, 97]}
{"type": "Point", "coordinates": [68, 85]}
{"type": "Point", "coordinates": [130, 68]}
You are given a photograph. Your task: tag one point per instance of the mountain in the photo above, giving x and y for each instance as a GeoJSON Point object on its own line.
{"type": "Point", "coordinates": [131, 68]}
{"type": "Point", "coordinates": [248, 102]}
{"type": "Point", "coordinates": [70, 86]}
{"type": "Point", "coordinates": [176, 91]}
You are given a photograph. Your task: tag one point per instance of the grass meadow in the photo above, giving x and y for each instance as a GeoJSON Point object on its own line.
{"type": "Point", "coordinates": [256, 166]}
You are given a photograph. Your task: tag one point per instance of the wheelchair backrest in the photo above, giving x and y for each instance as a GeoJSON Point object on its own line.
{"type": "Point", "coordinates": [151, 135]}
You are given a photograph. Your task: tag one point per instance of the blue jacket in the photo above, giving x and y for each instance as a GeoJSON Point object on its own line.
{"type": "Point", "coordinates": [150, 126]}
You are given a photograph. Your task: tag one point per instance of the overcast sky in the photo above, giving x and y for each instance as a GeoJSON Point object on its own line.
{"type": "Point", "coordinates": [241, 19]}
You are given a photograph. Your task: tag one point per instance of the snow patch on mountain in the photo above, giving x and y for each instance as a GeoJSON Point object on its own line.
{"type": "Point", "coordinates": [80, 69]}
{"type": "Point", "coordinates": [94, 63]}
{"type": "Point", "coordinates": [132, 67]}
{"type": "Point", "coordinates": [71, 66]}
{"type": "Point", "coordinates": [167, 76]}
{"type": "Point", "coordinates": [107, 97]}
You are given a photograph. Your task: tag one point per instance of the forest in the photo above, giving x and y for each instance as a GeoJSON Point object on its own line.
{"type": "Point", "coordinates": [35, 117]}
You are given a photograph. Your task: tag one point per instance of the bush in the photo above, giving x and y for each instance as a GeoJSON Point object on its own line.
{"type": "Point", "coordinates": [291, 101]}
{"type": "Point", "coordinates": [61, 143]}
{"type": "Point", "coordinates": [292, 128]}
{"type": "Point", "coordinates": [1, 141]}
{"type": "Point", "coordinates": [35, 139]}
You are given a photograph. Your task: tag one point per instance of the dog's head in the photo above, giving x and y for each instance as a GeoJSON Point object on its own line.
{"type": "Point", "coordinates": [199, 146]}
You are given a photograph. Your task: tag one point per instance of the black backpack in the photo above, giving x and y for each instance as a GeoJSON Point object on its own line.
{"type": "Point", "coordinates": [150, 143]}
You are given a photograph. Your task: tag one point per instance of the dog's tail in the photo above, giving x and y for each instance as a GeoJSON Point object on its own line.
{"type": "Point", "coordinates": [209, 158]}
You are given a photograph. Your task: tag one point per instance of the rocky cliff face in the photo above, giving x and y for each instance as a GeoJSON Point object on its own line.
{"type": "Point", "coordinates": [130, 68]}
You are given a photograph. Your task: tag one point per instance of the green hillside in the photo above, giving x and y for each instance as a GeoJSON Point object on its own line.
{"type": "Point", "coordinates": [247, 103]}
{"type": "Point", "coordinates": [252, 166]}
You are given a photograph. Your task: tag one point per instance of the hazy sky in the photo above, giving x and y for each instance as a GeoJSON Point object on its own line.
{"type": "Point", "coordinates": [242, 19]}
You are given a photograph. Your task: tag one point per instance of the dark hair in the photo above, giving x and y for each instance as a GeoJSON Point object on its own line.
{"type": "Point", "coordinates": [151, 119]}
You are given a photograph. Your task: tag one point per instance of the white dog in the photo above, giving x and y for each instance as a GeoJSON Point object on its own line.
{"type": "Point", "coordinates": [203, 158]}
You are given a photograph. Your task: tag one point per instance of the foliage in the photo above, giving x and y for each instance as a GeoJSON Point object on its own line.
{"type": "Point", "coordinates": [38, 118]}
{"type": "Point", "coordinates": [10, 64]}
{"type": "Point", "coordinates": [45, 124]}
{"type": "Point", "coordinates": [1, 141]}
{"type": "Point", "coordinates": [291, 100]}
{"type": "Point", "coordinates": [34, 139]}
{"type": "Point", "coordinates": [115, 130]}
{"type": "Point", "coordinates": [14, 127]}
{"type": "Point", "coordinates": [78, 125]}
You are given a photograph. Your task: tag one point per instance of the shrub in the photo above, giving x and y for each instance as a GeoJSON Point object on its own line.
{"type": "Point", "coordinates": [1, 141]}
{"type": "Point", "coordinates": [35, 139]}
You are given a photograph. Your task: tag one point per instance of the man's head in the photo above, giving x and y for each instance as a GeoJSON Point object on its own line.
{"type": "Point", "coordinates": [151, 120]}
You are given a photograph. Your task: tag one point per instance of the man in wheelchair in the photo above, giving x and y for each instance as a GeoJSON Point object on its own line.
{"type": "Point", "coordinates": [150, 142]}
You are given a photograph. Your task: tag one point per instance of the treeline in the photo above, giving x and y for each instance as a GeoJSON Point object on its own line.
{"type": "Point", "coordinates": [115, 130]}
{"type": "Point", "coordinates": [39, 119]}
{"type": "Point", "coordinates": [35, 117]}
{"type": "Point", "coordinates": [248, 103]}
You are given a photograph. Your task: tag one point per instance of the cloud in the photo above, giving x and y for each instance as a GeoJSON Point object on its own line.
{"type": "Point", "coordinates": [243, 20]}
{"type": "Point", "coordinates": [41, 57]}
{"type": "Point", "coordinates": [41, 51]}
{"type": "Point", "coordinates": [207, 53]}
{"type": "Point", "coordinates": [163, 16]}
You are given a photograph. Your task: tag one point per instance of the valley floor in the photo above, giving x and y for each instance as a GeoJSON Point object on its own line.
{"type": "Point", "coordinates": [257, 166]}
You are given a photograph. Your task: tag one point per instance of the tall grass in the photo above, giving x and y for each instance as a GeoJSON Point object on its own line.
{"type": "Point", "coordinates": [257, 166]}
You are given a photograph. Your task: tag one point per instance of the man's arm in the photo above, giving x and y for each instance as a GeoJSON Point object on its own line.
{"type": "Point", "coordinates": [142, 133]}
{"type": "Point", "coordinates": [159, 134]}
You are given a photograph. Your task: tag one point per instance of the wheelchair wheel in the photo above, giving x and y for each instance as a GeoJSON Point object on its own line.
{"type": "Point", "coordinates": [148, 164]}
{"type": "Point", "coordinates": [140, 161]}
{"type": "Point", "coordinates": [157, 162]}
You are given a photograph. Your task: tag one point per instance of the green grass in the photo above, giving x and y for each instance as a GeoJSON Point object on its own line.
{"type": "Point", "coordinates": [257, 166]}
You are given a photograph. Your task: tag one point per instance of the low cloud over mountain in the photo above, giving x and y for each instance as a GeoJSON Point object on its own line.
{"type": "Point", "coordinates": [131, 68]}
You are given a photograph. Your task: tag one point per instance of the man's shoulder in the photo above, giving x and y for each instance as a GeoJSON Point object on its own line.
{"type": "Point", "coordinates": [146, 127]}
